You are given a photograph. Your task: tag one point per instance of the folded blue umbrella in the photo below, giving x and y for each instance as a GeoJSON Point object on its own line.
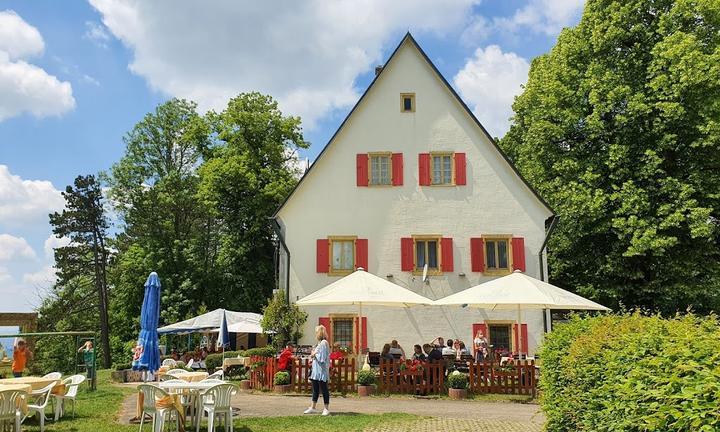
{"type": "Point", "coordinates": [147, 351]}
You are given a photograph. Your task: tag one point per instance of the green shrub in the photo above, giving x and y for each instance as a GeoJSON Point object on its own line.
{"type": "Point", "coordinates": [457, 380]}
{"type": "Point", "coordinates": [214, 361]}
{"type": "Point", "coordinates": [122, 366]}
{"type": "Point", "coordinates": [366, 377]}
{"type": "Point", "coordinates": [632, 373]}
{"type": "Point", "coordinates": [281, 378]}
{"type": "Point", "coordinates": [267, 351]}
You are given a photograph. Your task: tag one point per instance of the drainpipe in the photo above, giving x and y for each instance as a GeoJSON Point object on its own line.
{"type": "Point", "coordinates": [553, 222]}
{"type": "Point", "coordinates": [281, 240]}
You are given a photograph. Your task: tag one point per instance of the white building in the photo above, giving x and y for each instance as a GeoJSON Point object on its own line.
{"type": "Point", "coordinates": [412, 178]}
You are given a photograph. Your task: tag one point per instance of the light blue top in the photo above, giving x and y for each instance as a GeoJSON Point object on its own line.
{"type": "Point", "coordinates": [321, 362]}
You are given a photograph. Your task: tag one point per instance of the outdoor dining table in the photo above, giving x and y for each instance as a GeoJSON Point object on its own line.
{"type": "Point", "coordinates": [35, 383]}
{"type": "Point", "coordinates": [191, 376]}
{"type": "Point", "coordinates": [189, 388]}
{"type": "Point", "coordinates": [236, 361]}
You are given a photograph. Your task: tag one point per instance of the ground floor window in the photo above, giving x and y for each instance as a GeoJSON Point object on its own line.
{"type": "Point", "coordinates": [342, 332]}
{"type": "Point", "coordinates": [500, 337]}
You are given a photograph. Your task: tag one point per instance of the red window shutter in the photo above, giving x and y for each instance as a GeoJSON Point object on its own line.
{"type": "Point", "coordinates": [323, 255]}
{"type": "Point", "coordinates": [363, 336]}
{"type": "Point", "coordinates": [325, 322]}
{"type": "Point", "coordinates": [397, 169]}
{"type": "Point", "coordinates": [524, 333]}
{"type": "Point", "coordinates": [362, 169]}
{"type": "Point", "coordinates": [477, 254]}
{"type": "Point", "coordinates": [407, 263]}
{"type": "Point", "coordinates": [424, 169]}
{"type": "Point", "coordinates": [460, 173]}
{"type": "Point", "coordinates": [518, 253]}
{"type": "Point", "coordinates": [446, 250]}
{"type": "Point", "coordinates": [361, 254]}
{"type": "Point", "coordinates": [478, 327]}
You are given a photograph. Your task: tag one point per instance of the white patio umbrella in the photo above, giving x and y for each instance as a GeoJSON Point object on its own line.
{"type": "Point", "coordinates": [363, 288]}
{"type": "Point", "coordinates": [519, 291]}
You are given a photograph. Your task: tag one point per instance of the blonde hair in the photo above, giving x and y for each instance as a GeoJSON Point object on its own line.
{"type": "Point", "coordinates": [320, 333]}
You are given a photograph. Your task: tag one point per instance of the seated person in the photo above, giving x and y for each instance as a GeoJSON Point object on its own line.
{"type": "Point", "coordinates": [337, 353]}
{"type": "Point", "coordinates": [285, 360]}
{"type": "Point", "coordinates": [174, 355]}
{"type": "Point", "coordinates": [433, 352]}
{"type": "Point", "coordinates": [438, 342]}
{"type": "Point", "coordinates": [385, 353]}
{"type": "Point", "coordinates": [396, 349]}
{"type": "Point", "coordinates": [448, 350]}
{"type": "Point", "coordinates": [463, 349]}
{"type": "Point", "coordinates": [418, 353]}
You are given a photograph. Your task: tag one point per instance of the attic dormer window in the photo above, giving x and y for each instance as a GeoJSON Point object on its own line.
{"type": "Point", "coordinates": [407, 102]}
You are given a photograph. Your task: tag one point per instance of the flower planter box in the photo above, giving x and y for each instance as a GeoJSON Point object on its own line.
{"type": "Point", "coordinates": [457, 393]}
{"type": "Point", "coordinates": [365, 390]}
{"type": "Point", "coordinates": [282, 388]}
{"type": "Point", "coordinates": [245, 385]}
{"type": "Point", "coordinates": [118, 376]}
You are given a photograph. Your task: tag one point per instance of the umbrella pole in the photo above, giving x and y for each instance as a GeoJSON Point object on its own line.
{"type": "Point", "coordinates": [360, 347]}
{"type": "Point", "coordinates": [519, 332]}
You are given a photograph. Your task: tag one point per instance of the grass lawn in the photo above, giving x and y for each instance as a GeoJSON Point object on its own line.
{"type": "Point", "coordinates": [97, 412]}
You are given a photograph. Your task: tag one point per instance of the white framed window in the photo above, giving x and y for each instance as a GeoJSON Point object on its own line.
{"type": "Point", "coordinates": [497, 254]}
{"type": "Point", "coordinates": [407, 102]}
{"type": "Point", "coordinates": [427, 251]}
{"type": "Point", "coordinates": [442, 169]}
{"type": "Point", "coordinates": [342, 255]}
{"type": "Point", "coordinates": [380, 169]}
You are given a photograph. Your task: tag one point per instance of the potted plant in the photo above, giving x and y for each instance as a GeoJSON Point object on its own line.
{"type": "Point", "coordinates": [457, 385]}
{"type": "Point", "coordinates": [244, 381]}
{"type": "Point", "coordinates": [365, 381]}
{"type": "Point", "coordinates": [282, 382]}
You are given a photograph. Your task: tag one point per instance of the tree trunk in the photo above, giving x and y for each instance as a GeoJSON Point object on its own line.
{"type": "Point", "coordinates": [100, 286]}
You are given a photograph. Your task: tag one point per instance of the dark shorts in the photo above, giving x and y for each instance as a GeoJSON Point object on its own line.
{"type": "Point", "coordinates": [17, 374]}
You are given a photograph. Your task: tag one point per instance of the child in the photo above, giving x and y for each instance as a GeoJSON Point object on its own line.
{"type": "Point", "coordinates": [89, 358]}
{"type": "Point", "coordinates": [21, 354]}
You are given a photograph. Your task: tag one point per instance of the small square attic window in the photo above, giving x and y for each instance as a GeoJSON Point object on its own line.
{"type": "Point", "coordinates": [407, 102]}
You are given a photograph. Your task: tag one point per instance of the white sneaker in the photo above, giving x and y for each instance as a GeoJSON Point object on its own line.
{"type": "Point", "coordinates": [310, 410]}
{"type": "Point", "coordinates": [326, 412]}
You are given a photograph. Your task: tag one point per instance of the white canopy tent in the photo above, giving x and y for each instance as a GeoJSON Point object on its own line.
{"type": "Point", "coordinates": [237, 322]}
{"type": "Point", "coordinates": [362, 288]}
{"type": "Point", "coordinates": [519, 291]}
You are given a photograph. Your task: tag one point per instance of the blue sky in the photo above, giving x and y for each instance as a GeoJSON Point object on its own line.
{"type": "Point", "coordinates": [75, 76]}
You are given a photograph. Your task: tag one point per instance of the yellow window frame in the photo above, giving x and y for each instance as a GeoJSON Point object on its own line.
{"type": "Point", "coordinates": [498, 237]}
{"type": "Point", "coordinates": [341, 272]}
{"type": "Point", "coordinates": [503, 323]}
{"type": "Point", "coordinates": [402, 102]}
{"type": "Point", "coordinates": [452, 168]}
{"type": "Point", "coordinates": [346, 317]}
{"type": "Point", "coordinates": [425, 238]}
{"type": "Point", "coordinates": [390, 168]}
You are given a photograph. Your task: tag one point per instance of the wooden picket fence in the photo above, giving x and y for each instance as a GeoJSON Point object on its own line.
{"type": "Point", "coordinates": [518, 377]}
{"type": "Point", "coordinates": [342, 375]}
{"type": "Point", "coordinates": [428, 378]}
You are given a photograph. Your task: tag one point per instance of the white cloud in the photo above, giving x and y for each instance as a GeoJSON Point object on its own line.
{"type": "Point", "coordinates": [44, 277]}
{"type": "Point", "coordinates": [97, 33]}
{"type": "Point", "coordinates": [489, 82]}
{"type": "Point", "coordinates": [18, 38]}
{"type": "Point", "coordinates": [543, 16]}
{"type": "Point", "coordinates": [12, 247]}
{"type": "Point", "coordinates": [24, 202]}
{"type": "Point", "coordinates": [52, 243]}
{"type": "Point", "coordinates": [306, 54]}
{"type": "Point", "coordinates": [26, 88]}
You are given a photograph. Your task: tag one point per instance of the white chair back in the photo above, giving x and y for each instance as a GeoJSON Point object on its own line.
{"type": "Point", "coordinates": [168, 377]}
{"type": "Point", "coordinates": [176, 371]}
{"type": "Point", "coordinates": [53, 375]}
{"type": "Point", "coordinates": [72, 384]}
{"type": "Point", "coordinates": [190, 363]}
{"type": "Point", "coordinates": [217, 375]}
{"type": "Point", "coordinates": [220, 395]}
{"type": "Point", "coordinates": [150, 395]}
{"type": "Point", "coordinates": [213, 381]}
{"type": "Point", "coordinates": [169, 362]}
{"type": "Point", "coordinates": [9, 403]}
{"type": "Point", "coordinates": [43, 396]}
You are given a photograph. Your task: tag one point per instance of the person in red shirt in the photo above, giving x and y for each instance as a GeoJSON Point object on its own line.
{"type": "Point", "coordinates": [286, 357]}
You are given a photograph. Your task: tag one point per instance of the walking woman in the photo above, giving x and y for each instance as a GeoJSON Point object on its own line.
{"type": "Point", "coordinates": [320, 373]}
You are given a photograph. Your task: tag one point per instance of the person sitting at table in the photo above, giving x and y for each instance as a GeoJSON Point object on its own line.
{"type": "Point", "coordinates": [418, 353]}
{"type": "Point", "coordinates": [448, 350]}
{"type": "Point", "coordinates": [174, 355]}
{"type": "Point", "coordinates": [463, 349]}
{"type": "Point", "coordinates": [456, 347]}
{"type": "Point", "coordinates": [385, 353]}
{"type": "Point", "coordinates": [286, 358]}
{"type": "Point", "coordinates": [337, 353]}
{"type": "Point", "coordinates": [397, 350]}
{"type": "Point", "coordinates": [438, 342]}
{"type": "Point", "coordinates": [433, 352]}
{"type": "Point", "coordinates": [21, 354]}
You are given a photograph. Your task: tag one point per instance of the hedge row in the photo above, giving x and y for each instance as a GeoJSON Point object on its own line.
{"type": "Point", "coordinates": [214, 361]}
{"type": "Point", "coordinates": [632, 373]}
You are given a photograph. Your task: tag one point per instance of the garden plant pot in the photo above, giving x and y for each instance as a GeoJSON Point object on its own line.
{"type": "Point", "coordinates": [245, 385]}
{"type": "Point", "coordinates": [282, 388]}
{"type": "Point", "coordinates": [457, 393]}
{"type": "Point", "coordinates": [365, 390]}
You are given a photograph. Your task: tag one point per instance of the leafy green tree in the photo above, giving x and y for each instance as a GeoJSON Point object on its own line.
{"type": "Point", "coordinates": [82, 263]}
{"type": "Point", "coordinates": [246, 174]}
{"type": "Point", "coordinates": [284, 320]}
{"type": "Point", "coordinates": [619, 128]}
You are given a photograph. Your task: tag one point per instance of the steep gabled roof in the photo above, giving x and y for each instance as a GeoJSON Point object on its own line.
{"type": "Point", "coordinates": [409, 38]}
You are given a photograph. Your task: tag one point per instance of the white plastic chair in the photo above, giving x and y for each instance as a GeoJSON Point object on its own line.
{"type": "Point", "coordinates": [215, 401]}
{"type": "Point", "coordinates": [168, 377]}
{"type": "Point", "coordinates": [53, 375]}
{"type": "Point", "coordinates": [169, 362]}
{"type": "Point", "coordinates": [41, 402]}
{"type": "Point", "coordinates": [151, 394]}
{"type": "Point", "coordinates": [191, 362]}
{"type": "Point", "coordinates": [216, 375]}
{"type": "Point", "coordinates": [186, 399]}
{"type": "Point", "coordinates": [72, 384]}
{"type": "Point", "coordinates": [8, 408]}
{"type": "Point", "coordinates": [176, 371]}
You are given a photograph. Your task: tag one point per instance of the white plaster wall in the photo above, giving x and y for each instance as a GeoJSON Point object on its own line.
{"type": "Point", "coordinates": [328, 202]}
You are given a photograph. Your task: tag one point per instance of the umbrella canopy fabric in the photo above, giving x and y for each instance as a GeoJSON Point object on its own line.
{"type": "Point", "coordinates": [147, 352]}
{"type": "Point", "coordinates": [363, 288]}
{"type": "Point", "coordinates": [519, 290]}
{"type": "Point", "coordinates": [223, 336]}
{"type": "Point", "coordinates": [237, 322]}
